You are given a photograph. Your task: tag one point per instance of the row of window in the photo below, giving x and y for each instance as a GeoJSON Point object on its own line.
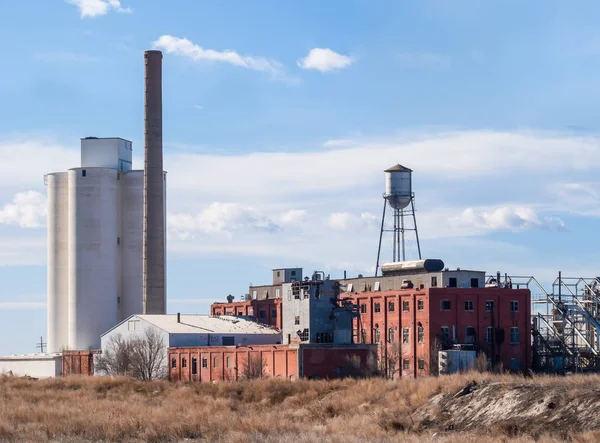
{"type": "Point", "coordinates": [444, 335]}
{"type": "Point", "coordinates": [262, 313]}
{"type": "Point", "coordinates": [445, 305]}
{"type": "Point", "coordinates": [195, 363]}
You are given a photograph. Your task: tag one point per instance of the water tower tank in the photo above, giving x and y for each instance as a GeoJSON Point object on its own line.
{"type": "Point", "coordinates": [398, 186]}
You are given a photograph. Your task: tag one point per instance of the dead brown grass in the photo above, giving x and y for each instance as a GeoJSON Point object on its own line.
{"type": "Point", "coordinates": [264, 410]}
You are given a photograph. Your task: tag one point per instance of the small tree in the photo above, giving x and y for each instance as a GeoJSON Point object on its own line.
{"type": "Point", "coordinates": [254, 367]}
{"type": "Point", "coordinates": [389, 363]}
{"type": "Point", "coordinates": [115, 359]}
{"type": "Point", "coordinates": [148, 356]}
{"type": "Point", "coordinates": [140, 357]}
{"type": "Point", "coordinates": [434, 357]}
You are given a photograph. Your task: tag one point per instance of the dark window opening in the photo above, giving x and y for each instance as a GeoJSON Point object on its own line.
{"type": "Point", "coordinates": [83, 173]}
{"type": "Point", "coordinates": [194, 366]}
{"type": "Point", "coordinates": [391, 335]}
{"type": "Point", "coordinates": [228, 341]}
{"type": "Point", "coordinates": [363, 308]}
{"type": "Point", "coordinates": [489, 305]}
{"type": "Point", "coordinates": [420, 305]}
{"type": "Point", "coordinates": [205, 363]}
{"type": "Point", "coordinates": [391, 306]}
{"type": "Point", "coordinates": [445, 334]}
{"type": "Point", "coordinates": [433, 282]}
{"type": "Point", "coordinates": [470, 335]}
{"type": "Point", "coordinates": [468, 305]}
{"type": "Point", "coordinates": [304, 335]}
{"type": "Point", "coordinates": [445, 305]}
{"type": "Point", "coordinates": [377, 307]}
{"type": "Point", "coordinates": [183, 363]}
{"type": "Point", "coordinates": [173, 363]}
{"type": "Point", "coordinates": [514, 306]}
{"type": "Point", "coordinates": [274, 313]}
{"type": "Point", "coordinates": [406, 364]}
{"type": "Point", "coordinates": [297, 320]}
{"type": "Point", "coordinates": [421, 364]}
{"type": "Point", "coordinates": [324, 337]}
{"type": "Point", "coordinates": [405, 306]}
{"type": "Point", "coordinates": [452, 282]}
{"type": "Point", "coordinates": [406, 336]}
{"type": "Point", "coordinates": [474, 282]}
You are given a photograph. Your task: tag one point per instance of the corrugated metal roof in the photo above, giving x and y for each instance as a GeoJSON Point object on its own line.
{"type": "Point", "coordinates": [198, 324]}
{"type": "Point", "coordinates": [398, 168]}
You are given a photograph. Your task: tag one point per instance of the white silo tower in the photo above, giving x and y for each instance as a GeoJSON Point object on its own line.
{"type": "Point", "coordinates": [399, 196]}
{"type": "Point", "coordinates": [95, 244]}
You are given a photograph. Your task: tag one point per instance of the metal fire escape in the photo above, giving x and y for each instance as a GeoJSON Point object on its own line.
{"type": "Point", "coordinates": [565, 323]}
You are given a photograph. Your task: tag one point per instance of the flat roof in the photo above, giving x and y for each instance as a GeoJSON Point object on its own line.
{"type": "Point", "coordinates": [202, 324]}
{"type": "Point", "coordinates": [106, 138]}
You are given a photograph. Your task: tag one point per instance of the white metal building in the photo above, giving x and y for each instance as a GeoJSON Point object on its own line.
{"type": "Point", "coordinates": [95, 229]}
{"type": "Point", "coordinates": [180, 330]}
{"type": "Point", "coordinates": [32, 365]}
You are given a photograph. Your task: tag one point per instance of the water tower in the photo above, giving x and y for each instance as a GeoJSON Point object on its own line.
{"type": "Point", "coordinates": [399, 196]}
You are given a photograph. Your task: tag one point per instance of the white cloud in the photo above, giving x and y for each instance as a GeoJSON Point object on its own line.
{"type": "Point", "coordinates": [93, 8]}
{"type": "Point", "coordinates": [185, 48]}
{"type": "Point", "coordinates": [27, 210]}
{"type": "Point", "coordinates": [294, 216]}
{"type": "Point", "coordinates": [507, 218]}
{"type": "Point", "coordinates": [220, 218]}
{"type": "Point", "coordinates": [346, 220]}
{"type": "Point", "coordinates": [324, 60]}
{"type": "Point", "coordinates": [198, 107]}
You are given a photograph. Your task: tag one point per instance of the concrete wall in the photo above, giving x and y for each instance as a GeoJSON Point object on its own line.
{"type": "Point", "coordinates": [427, 279]}
{"type": "Point", "coordinates": [36, 366]}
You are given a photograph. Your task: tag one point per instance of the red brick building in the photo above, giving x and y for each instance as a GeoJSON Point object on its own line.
{"type": "Point", "coordinates": [267, 311]}
{"type": "Point", "coordinates": [228, 363]}
{"type": "Point", "coordinates": [410, 326]}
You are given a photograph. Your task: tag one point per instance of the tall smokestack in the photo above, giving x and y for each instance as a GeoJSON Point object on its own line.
{"type": "Point", "coordinates": [154, 220]}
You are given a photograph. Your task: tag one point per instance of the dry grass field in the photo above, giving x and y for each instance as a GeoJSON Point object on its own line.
{"type": "Point", "coordinates": [499, 408]}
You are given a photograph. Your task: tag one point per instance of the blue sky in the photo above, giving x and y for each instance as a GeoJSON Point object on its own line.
{"type": "Point", "coordinates": [279, 118]}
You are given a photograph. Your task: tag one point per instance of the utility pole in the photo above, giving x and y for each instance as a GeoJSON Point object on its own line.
{"type": "Point", "coordinates": [41, 345]}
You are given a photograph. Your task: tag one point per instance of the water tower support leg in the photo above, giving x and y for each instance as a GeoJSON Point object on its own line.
{"type": "Point", "coordinates": [380, 237]}
{"type": "Point", "coordinates": [412, 205]}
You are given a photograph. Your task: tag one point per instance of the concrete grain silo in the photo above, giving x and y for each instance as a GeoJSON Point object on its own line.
{"type": "Point", "coordinates": [95, 245]}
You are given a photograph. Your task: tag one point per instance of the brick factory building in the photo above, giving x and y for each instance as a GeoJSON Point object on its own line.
{"type": "Point", "coordinates": [413, 312]}
{"type": "Point", "coordinates": [229, 363]}
{"type": "Point", "coordinates": [410, 326]}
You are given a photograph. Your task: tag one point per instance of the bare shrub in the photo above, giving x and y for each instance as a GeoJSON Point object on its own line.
{"type": "Point", "coordinates": [142, 357]}
{"type": "Point", "coordinates": [481, 364]}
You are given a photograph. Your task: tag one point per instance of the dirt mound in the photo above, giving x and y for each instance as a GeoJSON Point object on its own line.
{"type": "Point", "coordinates": [513, 409]}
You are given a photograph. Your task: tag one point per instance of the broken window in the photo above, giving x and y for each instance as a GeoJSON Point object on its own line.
{"type": "Point", "coordinates": [470, 334]}
{"type": "Point", "coordinates": [406, 336]}
{"type": "Point", "coordinates": [304, 335]}
{"type": "Point", "coordinates": [445, 305]}
{"type": "Point", "coordinates": [205, 363]}
{"type": "Point", "coordinates": [474, 282]}
{"type": "Point", "coordinates": [297, 320]}
{"type": "Point", "coordinates": [391, 306]}
{"type": "Point", "coordinates": [183, 363]}
{"type": "Point", "coordinates": [377, 307]}
{"type": "Point", "coordinates": [406, 364]}
{"type": "Point", "coordinates": [420, 305]}
{"type": "Point", "coordinates": [377, 336]}
{"type": "Point", "coordinates": [421, 334]}
{"type": "Point", "coordinates": [421, 364]}
{"type": "Point", "coordinates": [174, 363]}
{"type": "Point", "coordinates": [363, 308]}
{"type": "Point", "coordinates": [391, 335]}
{"type": "Point", "coordinates": [405, 306]}
{"type": "Point", "coordinates": [433, 282]}
{"type": "Point", "coordinates": [194, 366]}
{"type": "Point", "coordinates": [452, 282]}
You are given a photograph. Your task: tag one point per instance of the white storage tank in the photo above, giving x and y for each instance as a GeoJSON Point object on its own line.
{"type": "Point", "coordinates": [398, 186]}
{"type": "Point", "coordinates": [131, 247]}
{"type": "Point", "coordinates": [58, 261]}
{"type": "Point", "coordinates": [94, 284]}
